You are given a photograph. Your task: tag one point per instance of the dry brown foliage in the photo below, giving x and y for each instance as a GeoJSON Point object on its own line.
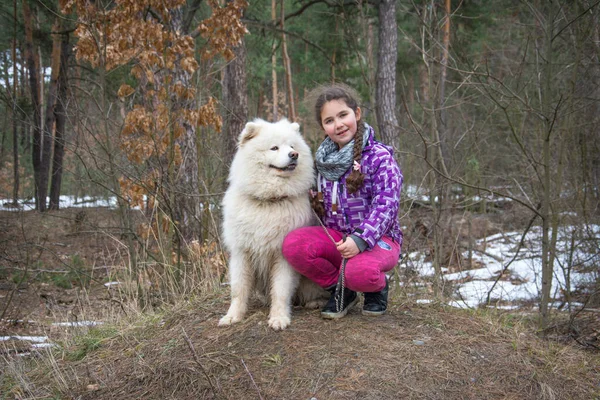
{"type": "Point", "coordinates": [224, 28]}
{"type": "Point", "coordinates": [164, 106]}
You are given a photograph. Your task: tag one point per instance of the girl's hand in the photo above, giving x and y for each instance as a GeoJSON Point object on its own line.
{"type": "Point", "coordinates": [348, 248]}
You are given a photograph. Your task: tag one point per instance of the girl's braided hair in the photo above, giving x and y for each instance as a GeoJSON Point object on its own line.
{"type": "Point", "coordinates": [342, 92]}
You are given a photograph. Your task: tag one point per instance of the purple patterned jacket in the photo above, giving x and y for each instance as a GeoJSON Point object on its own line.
{"type": "Point", "coordinates": [372, 212]}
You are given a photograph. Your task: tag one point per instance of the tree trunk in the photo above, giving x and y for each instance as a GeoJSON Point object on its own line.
{"type": "Point", "coordinates": [371, 61]}
{"type": "Point", "coordinates": [545, 126]}
{"type": "Point", "coordinates": [333, 56]}
{"type": "Point", "coordinates": [6, 75]}
{"type": "Point", "coordinates": [16, 182]}
{"type": "Point", "coordinates": [235, 100]}
{"type": "Point", "coordinates": [288, 69]}
{"type": "Point", "coordinates": [274, 63]}
{"type": "Point", "coordinates": [36, 156]}
{"type": "Point", "coordinates": [386, 73]}
{"type": "Point", "coordinates": [442, 126]}
{"type": "Point", "coordinates": [24, 127]}
{"type": "Point", "coordinates": [50, 118]}
{"type": "Point", "coordinates": [187, 181]}
{"type": "Point", "coordinates": [439, 189]}
{"type": "Point", "coordinates": [59, 145]}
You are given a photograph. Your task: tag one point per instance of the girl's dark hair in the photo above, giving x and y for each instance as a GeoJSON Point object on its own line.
{"type": "Point", "coordinates": [341, 92]}
{"type": "Point", "coordinates": [336, 92]}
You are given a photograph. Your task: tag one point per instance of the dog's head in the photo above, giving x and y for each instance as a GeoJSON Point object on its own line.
{"type": "Point", "coordinates": [276, 146]}
{"type": "Point", "coordinates": [270, 152]}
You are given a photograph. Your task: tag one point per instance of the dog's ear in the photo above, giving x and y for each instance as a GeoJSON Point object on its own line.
{"type": "Point", "coordinates": [295, 126]}
{"type": "Point", "coordinates": [250, 131]}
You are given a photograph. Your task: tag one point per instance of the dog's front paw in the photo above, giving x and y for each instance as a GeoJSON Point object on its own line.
{"type": "Point", "coordinates": [280, 322]}
{"type": "Point", "coordinates": [229, 320]}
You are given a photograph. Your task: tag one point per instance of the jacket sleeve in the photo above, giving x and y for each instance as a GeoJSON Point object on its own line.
{"type": "Point", "coordinates": [386, 188]}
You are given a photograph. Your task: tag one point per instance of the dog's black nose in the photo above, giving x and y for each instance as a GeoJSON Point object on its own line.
{"type": "Point", "coordinates": [293, 155]}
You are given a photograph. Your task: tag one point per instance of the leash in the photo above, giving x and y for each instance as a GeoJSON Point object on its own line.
{"type": "Point", "coordinates": [341, 285]}
{"type": "Point", "coordinates": [341, 282]}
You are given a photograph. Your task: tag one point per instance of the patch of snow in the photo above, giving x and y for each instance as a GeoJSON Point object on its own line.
{"type": "Point", "coordinates": [424, 301]}
{"type": "Point", "coordinates": [37, 339]}
{"type": "Point", "coordinates": [505, 307]}
{"type": "Point", "coordinates": [73, 202]}
{"type": "Point", "coordinates": [522, 279]}
{"type": "Point", "coordinates": [43, 345]}
{"type": "Point", "coordinates": [77, 323]}
{"type": "Point", "coordinates": [466, 303]}
{"type": "Point", "coordinates": [64, 202]}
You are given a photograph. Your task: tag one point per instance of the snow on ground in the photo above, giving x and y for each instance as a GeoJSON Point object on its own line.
{"type": "Point", "coordinates": [35, 339]}
{"type": "Point", "coordinates": [77, 323]}
{"type": "Point", "coordinates": [521, 281]}
{"type": "Point", "coordinates": [65, 202]}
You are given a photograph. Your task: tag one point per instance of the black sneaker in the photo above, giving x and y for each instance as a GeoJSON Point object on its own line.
{"type": "Point", "coordinates": [376, 302]}
{"type": "Point", "coordinates": [330, 311]}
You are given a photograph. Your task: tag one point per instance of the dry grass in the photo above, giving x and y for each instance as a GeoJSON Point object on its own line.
{"type": "Point", "coordinates": [178, 352]}
{"type": "Point", "coordinates": [413, 352]}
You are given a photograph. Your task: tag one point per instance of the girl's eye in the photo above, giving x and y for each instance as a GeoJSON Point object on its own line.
{"type": "Point", "coordinates": [274, 148]}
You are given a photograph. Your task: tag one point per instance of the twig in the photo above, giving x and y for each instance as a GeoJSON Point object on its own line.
{"type": "Point", "coordinates": [254, 383]}
{"type": "Point", "coordinates": [489, 294]}
{"type": "Point", "coordinates": [121, 304]}
{"type": "Point", "coordinates": [592, 310]}
{"type": "Point", "coordinates": [490, 255]}
{"type": "Point", "coordinates": [50, 271]}
{"type": "Point", "coordinates": [584, 307]}
{"type": "Point", "coordinates": [197, 360]}
{"type": "Point", "coordinates": [586, 344]}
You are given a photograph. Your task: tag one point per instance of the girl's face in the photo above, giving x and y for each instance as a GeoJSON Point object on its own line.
{"type": "Point", "coordinates": [339, 121]}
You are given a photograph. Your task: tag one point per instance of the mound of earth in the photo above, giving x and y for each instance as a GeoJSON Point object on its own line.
{"type": "Point", "coordinates": [413, 352]}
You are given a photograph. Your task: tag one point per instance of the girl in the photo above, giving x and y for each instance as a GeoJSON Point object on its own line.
{"type": "Point", "coordinates": [358, 185]}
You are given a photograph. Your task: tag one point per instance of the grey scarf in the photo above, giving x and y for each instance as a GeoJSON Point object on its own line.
{"type": "Point", "coordinates": [332, 162]}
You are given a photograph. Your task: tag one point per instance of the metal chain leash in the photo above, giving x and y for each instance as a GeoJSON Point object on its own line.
{"type": "Point", "coordinates": [340, 287]}
{"type": "Point", "coordinates": [341, 283]}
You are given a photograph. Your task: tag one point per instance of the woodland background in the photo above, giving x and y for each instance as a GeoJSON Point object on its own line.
{"type": "Point", "coordinates": [492, 108]}
{"type": "Point", "coordinates": [142, 100]}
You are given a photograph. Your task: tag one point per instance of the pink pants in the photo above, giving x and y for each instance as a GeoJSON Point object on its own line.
{"type": "Point", "coordinates": [312, 253]}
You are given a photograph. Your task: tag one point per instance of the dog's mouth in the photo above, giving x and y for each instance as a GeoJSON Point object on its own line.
{"type": "Point", "coordinates": [290, 167]}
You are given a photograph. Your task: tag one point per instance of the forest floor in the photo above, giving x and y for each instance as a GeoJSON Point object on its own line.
{"type": "Point", "coordinates": [111, 350]}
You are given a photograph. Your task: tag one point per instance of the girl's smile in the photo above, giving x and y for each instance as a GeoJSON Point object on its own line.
{"type": "Point", "coordinates": [339, 121]}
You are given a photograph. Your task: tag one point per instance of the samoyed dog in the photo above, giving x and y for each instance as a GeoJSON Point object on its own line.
{"type": "Point", "coordinates": [267, 197]}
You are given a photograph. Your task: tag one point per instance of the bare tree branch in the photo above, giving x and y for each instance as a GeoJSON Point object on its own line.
{"type": "Point", "coordinates": [273, 28]}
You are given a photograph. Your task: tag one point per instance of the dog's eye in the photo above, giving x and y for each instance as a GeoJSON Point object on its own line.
{"type": "Point", "coordinates": [274, 148]}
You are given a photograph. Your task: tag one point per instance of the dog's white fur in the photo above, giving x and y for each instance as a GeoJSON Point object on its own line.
{"type": "Point", "coordinates": [267, 199]}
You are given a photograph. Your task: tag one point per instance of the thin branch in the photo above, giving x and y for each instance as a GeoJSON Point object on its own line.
{"type": "Point", "coordinates": [197, 360]}
{"type": "Point", "coordinates": [303, 8]}
{"type": "Point", "coordinates": [189, 15]}
{"type": "Point", "coordinates": [573, 20]}
{"type": "Point", "coordinates": [489, 294]}
{"type": "Point", "coordinates": [455, 180]}
{"type": "Point", "coordinates": [251, 378]}
{"type": "Point", "coordinates": [279, 30]}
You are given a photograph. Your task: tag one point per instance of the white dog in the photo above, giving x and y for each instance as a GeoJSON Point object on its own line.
{"type": "Point", "coordinates": [269, 180]}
